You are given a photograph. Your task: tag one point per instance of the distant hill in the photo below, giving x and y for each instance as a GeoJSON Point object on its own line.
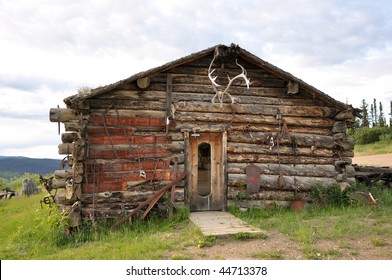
{"type": "Point", "coordinates": [16, 166]}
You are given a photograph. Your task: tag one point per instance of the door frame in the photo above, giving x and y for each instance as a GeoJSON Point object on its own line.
{"type": "Point", "coordinates": [190, 190]}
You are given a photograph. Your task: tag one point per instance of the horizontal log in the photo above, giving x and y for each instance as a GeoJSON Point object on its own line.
{"type": "Point", "coordinates": [72, 126]}
{"type": "Point", "coordinates": [263, 137]}
{"type": "Point", "coordinates": [305, 170]}
{"type": "Point", "coordinates": [175, 146]}
{"type": "Point", "coordinates": [126, 113]}
{"type": "Point", "coordinates": [128, 166]}
{"type": "Point", "coordinates": [130, 104]}
{"type": "Point", "coordinates": [126, 154]}
{"type": "Point", "coordinates": [271, 181]}
{"type": "Point", "coordinates": [339, 126]}
{"type": "Point", "coordinates": [127, 121]}
{"type": "Point", "coordinates": [66, 148]}
{"type": "Point", "coordinates": [270, 110]}
{"type": "Point", "coordinates": [62, 115]}
{"type": "Point", "coordinates": [121, 196]}
{"type": "Point", "coordinates": [63, 173]}
{"type": "Point", "coordinates": [249, 127]}
{"type": "Point", "coordinates": [371, 170]}
{"type": "Point", "coordinates": [104, 140]}
{"type": "Point", "coordinates": [94, 187]}
{"type": "Point", "coordinates": [117, 210]}
{"type": "Point", "coordinates": [273, 128]}
{"type": "Point", "coordinates": [269, 120]}
{"type": "Point", "coordinates": [348, 114]}
{"type": "Point", "coordinates": [100, 131]}
{"type": "Point", "coordinates": [248, 99]}
{"type": "Point", "coordinates": [283, 150]}
{"type": "Point", "coordinates": [59, 183]}
{"type": "Point", "coordinates": [133, 94]}
{"type": "Point", "coordinates": [262, 158]}
{"type": "Point", "coordinates": [276, 195]}
{"type": "Point", "coordinates": [69, 137]}
{"type": "Point", "coordinates": [135, 175]}
{"type": "Point", "coordinates": [345, 144]}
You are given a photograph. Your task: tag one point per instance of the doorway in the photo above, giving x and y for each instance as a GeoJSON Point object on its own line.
{"type": "Point", "coordinates": [206, 190]}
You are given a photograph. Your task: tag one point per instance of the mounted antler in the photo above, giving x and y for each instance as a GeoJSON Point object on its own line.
{"type": "Point", "coordinates": [219, 93]}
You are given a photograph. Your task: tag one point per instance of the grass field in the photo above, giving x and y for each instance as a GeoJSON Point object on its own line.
{"type": "Point", "coordinates": [378, 148]}
{"type": "Point", "coordinates": [332, 232]}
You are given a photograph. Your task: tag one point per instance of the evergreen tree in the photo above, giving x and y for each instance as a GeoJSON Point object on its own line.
{"type": "Point", "coordinates": [381, 119]}
{"type": "Point", "coordinates": [390, 118]}
{"type": "Point", "coordinates": [371, 120]}
{"type": "Point", "coordinates": [375, 120]}
{"type": "Point", "coordinates": [365, 115]}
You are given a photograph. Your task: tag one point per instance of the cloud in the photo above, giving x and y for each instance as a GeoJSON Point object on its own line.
{"type": "Point", "coordinates": [49, 49]}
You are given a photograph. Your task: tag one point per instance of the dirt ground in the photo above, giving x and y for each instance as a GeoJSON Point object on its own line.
{"type": "Point", "coordinates": [374, 160]}
{"type": "Point", "coordinates": [279, 246]}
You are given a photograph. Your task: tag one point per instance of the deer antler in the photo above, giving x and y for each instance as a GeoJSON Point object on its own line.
{"type": "Point", "coordinates": [210, 73]}
{"type": "Point", "coordinates": [219, 93]}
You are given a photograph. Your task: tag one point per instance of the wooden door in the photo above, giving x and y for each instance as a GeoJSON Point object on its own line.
{"type": "Point", "coordinates": [206, 166]}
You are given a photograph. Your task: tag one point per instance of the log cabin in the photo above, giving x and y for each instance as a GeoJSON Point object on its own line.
{"type": "Point", "coordinates": [240, 129]}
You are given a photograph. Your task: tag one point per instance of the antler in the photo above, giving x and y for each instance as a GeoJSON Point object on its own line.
{"type": "Point", "coordinates": [210, 72]}
{"type": "Point", "coordinates": [219, 93]}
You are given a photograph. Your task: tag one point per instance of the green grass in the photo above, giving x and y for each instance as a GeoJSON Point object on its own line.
{"type": "Point", "coordinates": [329, 223]}
{"type": "Point", "coordinates": [377, 148]}
{"type": "Point", "coordinates": [28, 232]}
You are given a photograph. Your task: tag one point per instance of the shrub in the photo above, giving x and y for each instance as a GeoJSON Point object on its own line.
{"type": "Point", "coordinates": [366, 135]}
{"type": "Point", "coordinates": [329, 195]}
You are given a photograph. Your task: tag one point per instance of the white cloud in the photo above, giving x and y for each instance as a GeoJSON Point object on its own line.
{"type": "Point", "coordinates": [49, 49]}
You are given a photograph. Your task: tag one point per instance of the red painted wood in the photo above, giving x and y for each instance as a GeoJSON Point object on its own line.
{"type": "Point", "coordinates": [117, 181]}
{"type": "Point", "coordinates": [128, 166]}
{"type": "Point", "coordinates": [126, 154]}
{"type": "Point", "coordinates": [119, 139]}
{"type": "Point", "coordinates": [127, 121]}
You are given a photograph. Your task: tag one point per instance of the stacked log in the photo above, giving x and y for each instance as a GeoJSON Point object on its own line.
{"type": "Point", "coordinates": [125, 142]}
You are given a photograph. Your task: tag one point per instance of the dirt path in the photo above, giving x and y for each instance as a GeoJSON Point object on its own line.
{"type": "Point", "coordinates": [278, 246]}
{"type": "Point", "coordinates": [374, 160]}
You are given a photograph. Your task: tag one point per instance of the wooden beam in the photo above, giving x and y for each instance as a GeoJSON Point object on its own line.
{"type": "Point", "coordinates": [62, 115]}
{"type": "Point", "coordinates": [148, 201]}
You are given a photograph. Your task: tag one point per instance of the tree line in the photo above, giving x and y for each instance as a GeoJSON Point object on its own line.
{"type": "Point", "coordinates": [374, 116]}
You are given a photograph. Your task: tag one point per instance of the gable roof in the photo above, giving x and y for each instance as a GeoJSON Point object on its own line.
{"type": "Point", "coordinates": [210, 51]}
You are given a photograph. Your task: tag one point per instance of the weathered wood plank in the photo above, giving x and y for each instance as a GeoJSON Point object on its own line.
{"type": "Point", "coordinates": [305, 170]}
{"type": "Point", "coordinates": [62, 115]}
{"type": "Point", "coordinates": [302, 140]}
{"type": "Point", "coordinates": [271, 181]}
{"type": "Point", "coordinates": [127, 154]}
{"type": "Point", "coordinates": [105, 140]}
{"type": "Point", "coordinates": [131, 94]}
{"type": "Point", "coordinates": [248, 127]}
{"type": "Point", "coordinates": [250, 98]}
{"type": "Point", "coordinates": [121, 104]}
{"type": "Point", "coordinates": [271, 110]}
{"type": "Point", "coordinates": [175, 146]}
{"type": "Point", "coordinates": [283, 150]}
{"type": "Point", "coordinates": [69, 137]}
{"type": "Point", "coordinates": [127, 121]}
{"type": "Point", "coordinates": [119, 177]}
{"type": "Point", "coordinates": [262, 158]}
{"type": "Point", "coordinates": [236, 118]}
{"type": "Point", "coordinates": [128, 166]}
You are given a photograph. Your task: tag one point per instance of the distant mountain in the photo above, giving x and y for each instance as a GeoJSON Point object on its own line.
{"type": "Point", "coordinates": [16, 166]}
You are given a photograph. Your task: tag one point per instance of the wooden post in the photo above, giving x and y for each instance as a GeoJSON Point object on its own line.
{"type": "Point", "coordinates": [173, 189]}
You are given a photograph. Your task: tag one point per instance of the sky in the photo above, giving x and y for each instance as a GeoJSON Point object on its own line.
{"type": "Point", "coordinates": [50, 48]}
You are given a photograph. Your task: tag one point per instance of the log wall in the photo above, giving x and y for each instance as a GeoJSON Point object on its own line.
{"type": "Point", "coordinates": [124, 142]}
